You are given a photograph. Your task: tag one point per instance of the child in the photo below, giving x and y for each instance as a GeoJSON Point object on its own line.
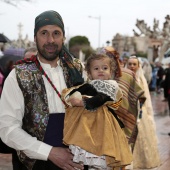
{"type": "Point", "coordinates": [91, 128]}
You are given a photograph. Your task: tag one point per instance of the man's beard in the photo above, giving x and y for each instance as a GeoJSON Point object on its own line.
{"type": "Point", "coordinates": [48, 56]}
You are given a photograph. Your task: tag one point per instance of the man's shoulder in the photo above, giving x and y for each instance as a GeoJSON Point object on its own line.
{"type": "Point", "coordinates": [76, 60]}
{"type": "Point", "coordinates": [30, 66]}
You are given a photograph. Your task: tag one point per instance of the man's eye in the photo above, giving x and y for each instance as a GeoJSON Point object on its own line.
{"type": "Point", "coordinates": [43, 33]}
{"type": "Point", "coordinates": [57, 33]}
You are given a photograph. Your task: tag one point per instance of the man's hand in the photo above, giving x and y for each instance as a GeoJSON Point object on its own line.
{"type": "Point", "coordinates": [63, 158]}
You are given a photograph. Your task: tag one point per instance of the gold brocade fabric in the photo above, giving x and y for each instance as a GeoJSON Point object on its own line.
{"type": "Point", "coordinates": [97, 132]}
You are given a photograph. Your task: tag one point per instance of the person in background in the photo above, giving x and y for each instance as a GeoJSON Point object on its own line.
{"type": "Point", "coordinates": [167, 85]}
{"type": "Point", "coordinates": [30, 51]}
{"type": "Point", "coordinates": [160, 74]}
{"type": "Point", "coordinates": [154, 78]}
{"type": "Point", "coordinates": [8, 67]}
{"type": "Point", "coordinates": [124, 60]}
{"type": "Point", "coordinates": [2, 51]}
{"type": "Point", "coordinates": [146, 144]}
{"type": "Point", "coordinates": [147, 69]}
{"type": "Point", "coordinates": [91, 109]}
{"type": "Point", "coordinates": [32, 111]}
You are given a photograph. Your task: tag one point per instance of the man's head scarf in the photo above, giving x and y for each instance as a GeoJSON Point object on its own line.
{"type": "Point", "coordinates": [48, 18]}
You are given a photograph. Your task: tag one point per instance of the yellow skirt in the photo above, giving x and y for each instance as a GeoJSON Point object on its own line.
{"type": "Point", "coordinates": [97, 132]}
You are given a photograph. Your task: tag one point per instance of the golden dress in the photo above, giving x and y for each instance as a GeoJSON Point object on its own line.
{"type": "Point", "coordinates": [97, 134]}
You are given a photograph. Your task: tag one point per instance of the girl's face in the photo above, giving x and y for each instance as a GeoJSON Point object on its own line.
{"type": "Point", "coordinates": [133, 64]}
{"type": "Point", "coordinates": [100, 69]}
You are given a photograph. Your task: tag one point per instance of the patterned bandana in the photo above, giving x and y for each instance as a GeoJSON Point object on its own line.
{"type": "Point", "coordinates": [48, 18]}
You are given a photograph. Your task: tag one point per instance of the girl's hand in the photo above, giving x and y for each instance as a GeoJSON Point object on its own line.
{"type": "Point", "coordinates": [76, 102]}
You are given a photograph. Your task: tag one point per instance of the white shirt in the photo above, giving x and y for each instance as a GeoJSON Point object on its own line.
{"type": "Point", "coordinates": [12, 112]}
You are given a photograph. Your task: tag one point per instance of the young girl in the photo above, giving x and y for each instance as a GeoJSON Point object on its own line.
{"type": "Point", "coordinates": [146, 143]}
{"type": "Point", "coordinates": [91, 128]}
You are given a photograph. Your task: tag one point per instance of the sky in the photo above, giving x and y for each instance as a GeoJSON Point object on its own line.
{"type": "Point", "coordinates": [108, 17]}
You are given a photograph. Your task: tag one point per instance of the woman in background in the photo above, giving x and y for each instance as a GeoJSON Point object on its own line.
{"type": "Point", "coordinates": [145, 154]}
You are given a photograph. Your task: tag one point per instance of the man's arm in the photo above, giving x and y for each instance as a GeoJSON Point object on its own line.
{"type": "Point", "coordinates": [11, 115]}
{"type": "Point", "coordinates": [11, 132]}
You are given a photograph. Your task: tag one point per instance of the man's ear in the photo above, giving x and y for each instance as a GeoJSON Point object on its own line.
{"type": "Point", "coordinates": [35, 39]}
{"type": "Point", "coordinates": [64, 38]}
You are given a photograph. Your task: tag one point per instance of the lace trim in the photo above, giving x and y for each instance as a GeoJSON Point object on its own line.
{"type": "Point", "coordinates": [87, 158]}
{"type": "Point", "coordinates": [108, 87]}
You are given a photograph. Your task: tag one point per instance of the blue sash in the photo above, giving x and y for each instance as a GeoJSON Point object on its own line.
{"type": "Point", "coordinates": [54, 130]}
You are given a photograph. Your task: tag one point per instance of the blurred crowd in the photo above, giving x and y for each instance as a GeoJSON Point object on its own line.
{"type": "Point", "coordinates": [157, 76]}
{"type": "Point", "coordinates": [155, 73]}
{"type": "Point", "coordinates": [160, 79]}
{"type": "Point", "coordinates": [8, 59]}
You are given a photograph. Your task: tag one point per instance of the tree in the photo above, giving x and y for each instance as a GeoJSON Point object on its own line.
{"type": "Point", "coordinates": [79, 40]}
{"type": "Point", "coordinates": [78, 43]}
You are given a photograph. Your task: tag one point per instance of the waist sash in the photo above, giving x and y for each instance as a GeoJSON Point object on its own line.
{"type": "Point", "coordinates": [54, 131]}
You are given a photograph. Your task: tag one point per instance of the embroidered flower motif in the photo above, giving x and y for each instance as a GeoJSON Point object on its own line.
{"type": "Point", "coordinates": [25, 75]}
{"type": "Point", "coordinates": [33, 67]}
{"type": "Point", "coordinates": [37, 117]}
{"type": "Point", "coordinates": [45, 120]}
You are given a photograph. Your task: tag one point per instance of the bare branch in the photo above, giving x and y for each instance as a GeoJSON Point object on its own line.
{"type": "Point", "coordinates": [14, 2]}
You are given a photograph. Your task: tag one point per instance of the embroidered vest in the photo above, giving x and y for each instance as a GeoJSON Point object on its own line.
{"type": "Point", "coordinates": [36, 114]}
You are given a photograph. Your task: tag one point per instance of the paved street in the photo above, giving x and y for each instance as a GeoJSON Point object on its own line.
{"type": "Point", "coordinates": [162, 120]}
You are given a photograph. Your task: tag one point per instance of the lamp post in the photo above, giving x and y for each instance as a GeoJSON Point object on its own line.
{"type": "Point", "coordinates": [20, 26]}
{"type": "Point", "coordinates": [99, 18]}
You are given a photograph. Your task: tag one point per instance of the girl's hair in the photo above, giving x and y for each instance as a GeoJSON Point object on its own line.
{"type": "Point", "coordinates": [114, 55]}
{"type": "Point", "coordinates": [94, 57]}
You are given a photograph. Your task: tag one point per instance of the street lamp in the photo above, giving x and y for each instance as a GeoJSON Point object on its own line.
{"type": "Point", "coordinates": [99, 18]}
{"type": "Point", "coordinates": [107, 42]}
